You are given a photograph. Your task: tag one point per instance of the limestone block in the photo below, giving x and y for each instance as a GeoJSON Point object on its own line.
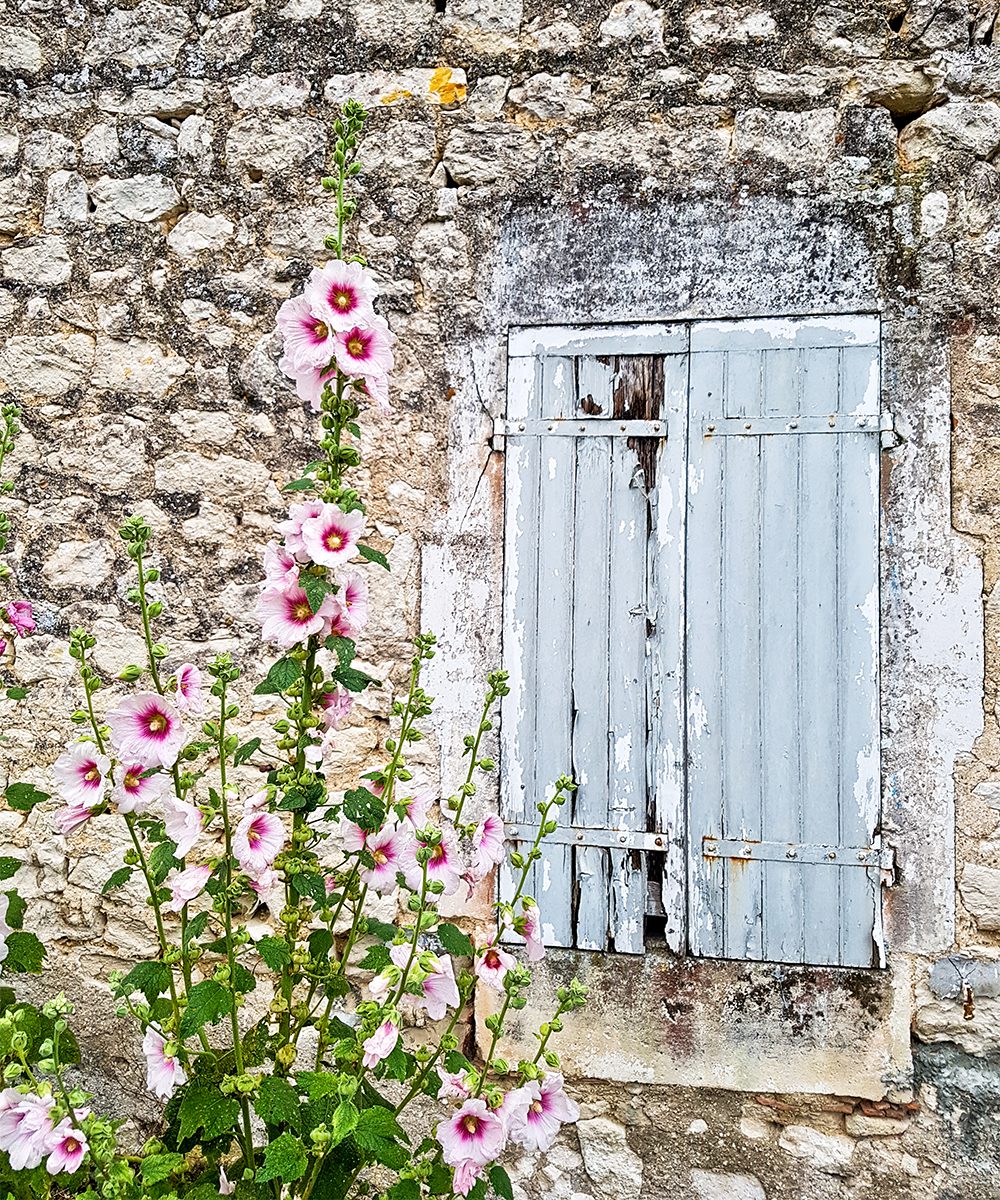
{"type": "Point", "coordinates": [969, 125]}
{"type": "Point", "coordinates": [899, 86]}
{"type": "Point", "coordinates": [286, 91]}
{"type": "Point", "coordinates": [174, 102]}
{"type": "Point", "coordinates": [829, 1152]}
{"type": "Point", "coordinates": [149, 35]}
{"type": "Point", "coordinates": [634, 22]}
{"type": "Point", "coordinates": [15, 203]}
{"type": "Point", "coordinates": [46, 148]}
{"type": "Point", "coordinates": [20, 50]}
{"type": "Point", "coordinates": [43, 262]}
{"type": "Point", "coordinates": [66, 201]}
{"type": "Point", "coordinates": [382, 89]}
{"type": "Point", "coordinates": [731, 25]}
{"type": "Point", "coordinates": [810, 84]}
{"type": "Point", "coordinates": [77, 564]}
{"type": "Point", "coordinates": [553, 97]}
{"type": "Point", "coordinates": [228, 38]}
{"type": "Point", "coordinates": [980, 889]}
{"type": "Point", "coordinates": [234, 478]}
{"type": "Point", "coordinates": [716, 1185]}
{"type": "Point", "coordinates": [272, 144]}
{"type": "Point", "coordinates": [860, 1126]}
{"type": "Point", "coordinates": [137, 198]}
{"type": "Point", "coordinates": [802, 141]}
{"type": "Point", "coordinates": [49, 365]}
{"type": "Point", "coordinates": [137, 366]}
{"type": "Point", "coordinates": [613, 1166]}
{"type": "Point", "coordinates": [194, 143]}
{"type": "Point", "coordinates": [481, 153]}
{"type": "Point", "coordinates": [100, 145]}
{"type": "Point", "coordinates": [102, 450]}
{"type": "Point", "coordinates": [196, 232]}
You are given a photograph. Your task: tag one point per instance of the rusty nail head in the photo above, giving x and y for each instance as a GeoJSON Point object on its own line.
{"type": "Point", "coordinates": [831, 854]}
{"type": "Point", "coordinates": [747, 851]}
{"type": "Point", "coordinates": [659, 841]}
{"type": "Point", "coordinates": [747, 425]}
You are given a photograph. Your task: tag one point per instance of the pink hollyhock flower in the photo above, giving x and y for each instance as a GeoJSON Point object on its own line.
{"type": "Point", "coordinates": [417, 807]}
{"type": "Point", "coordinates": [287, 618]}
{"type": "Point", "coordinates": [257, 840]}
{"type": "Point", "coordinates": [186, 885]}
{"type": "Point", "coordinates": [474, 1134]}
{"type": "Point", "coordinates": [440, 989]}
{"type": "Point", "coordinates": [280, 567]}
{"type": "Point", "coordinates": [291, 530]}
{"type": "Point", "coordinates": [465, 1175]}
{"type": "Point", "coordinates": [530, 928]}
{"type": "Point", "coordinates": [71, 818]}
{"type": "Point", "coordinates": [487, 844]}
{"type": "Point", "coordinates": [310, 382]}
{"type": "Point", "coordinates": [443, 866]}
{"type": "Point", "coordinates": [340, 623]}
{"type": "Point", "coordinates": [3, 646]}
{"type": "Point", "coordinates": [336, 707]}
{"type": "Point", "coordinates": [353, 595]}
{"type": "Point", "coordinates": [270, 889]}
{"type": "Point", "coordinates": [392, 850]}
{"type": "Point", "coordinates": [26, 1128]}
{"type": "Point", "coordinates": [376, 388]}
{"type": "Point", "coordinates": [493, 966]}
{"type": "Point", "coordinates": [343, 292]}
{"type": "Point", "coordinates": [365, 349]}
{"type": "Point", "coordinates": [81, 775]}
{"type": "Point", "coordinates": [183, 822]}
{"type": "Point", "coordinates": [147, 727]}
{"type": "Point", "coordinates": [330, 536]}
{"type": "Point", "coordinates": [352, 837]}
{"type": "Point", "coordinates": [537, 1110]}
{"type": "Point", "coordinates": [308, 335]}
{"type": "Point", "coordinates": [380, 1045]}
{"type": "Point", "coordinates": [188, 697]}
{"type": "Point", "coordinates": [164, 1072]}
{"type": "Point", "coordinates": [453, 1083]}
{"type": "Point", "coordinates": [133, 790]}
{"type": "Point", "coordinates": [225, 1187]}
{"type": "Point", "coordinates": [20, 615]}
{"type": "Point", "coordinates": [70, 1147]}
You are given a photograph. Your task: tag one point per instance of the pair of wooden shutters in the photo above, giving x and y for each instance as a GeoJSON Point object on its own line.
{"type": "Point", "coordinates": [691, 627]}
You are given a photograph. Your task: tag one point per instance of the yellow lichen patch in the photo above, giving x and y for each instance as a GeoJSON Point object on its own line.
{"type": "Point", "coordinates": [441, 86]}
{"type": "Point", "coordinates": [393, 97]}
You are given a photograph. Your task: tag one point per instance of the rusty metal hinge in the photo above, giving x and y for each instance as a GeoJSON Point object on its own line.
{"type": "Point", "coordinates": [578, 427]}
{"type": "Point", "coordinates": [614, 839]}
{"type": "Point", "coordinates": [765, 426]}
{"type": "Point", "coordinates": [879, 856]}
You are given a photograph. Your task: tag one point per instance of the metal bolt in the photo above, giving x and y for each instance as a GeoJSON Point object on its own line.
{"type": "Point", "coordinates": [748, 425]}
{"type": "Point", "coordinates": [583, 428]}
{"type": "Point", "coordinates": [622, 428]}
{"type": "Point", "coordinates": [551, 427]}
{"type": "Point", "coordinates": [791, 853]}
{"type": "Point", "coordinates": [831, 854]}
{"type": "Point", "coordinates": [623, 838]}
{"type": "Point", "coordinates": [793, 424]}
{"type": "Point", "coordinates": [579, 837]}
{"type": "Point", "coordinates": [747, 851]}
{"type": "Point", "coordinates": [659, 841]}
{"type": "Point", "coordinates": [711, 429]}
{"type": "Point", "coordinates": [521, 427]}
{"type": "Point", "coordinates": [862, 855]}
{"type": "Point", "coordinates": [832, 420]}
{"type": "Point", "coordinates": [656, 426]}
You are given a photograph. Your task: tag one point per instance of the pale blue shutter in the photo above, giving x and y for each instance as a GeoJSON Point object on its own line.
{"type": "Point", "coordinates": [586, 419]}
{"type": "Point", "coordinates": [782, 641]}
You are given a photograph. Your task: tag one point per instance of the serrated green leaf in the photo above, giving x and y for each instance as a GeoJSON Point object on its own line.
{"type": "Point", "coordinates": [353, 679]}
{"type": "Point", "coordinates": [380, 1122]}
{"type": "Point", "coordinates": [16, 908]}
{"type": "Point", "coordinates": [157, 1167]}
{"type": "Point", "coordinates": [376, 958]}
{"type": "Point", "coordinates": [9, 867]}
{"type": "Point", "coordinates": [162, 861]}
{"type": "Point", "coordinates": [454, 941]}
{"type": "Point", "coordinates": [150, 978]}
{"type": "Point", "coordinates": [338, 1171]}
{"type": "Point", "coordinates": [117, 880]}
{"type": "Point", "coordinates": [313, 886]}
{"type": "Point", "coordinates": [24, 796]}
{"type": "Point", "coordinates": [284, 1159]}
{"type": "Point", "coordinates": [280, 678]}
{"type": "Point", "coordinates": [25, 954]}
{"type": "Point", "coordinates": [404, 1189]}
{"type": "Point", "coordinates": [364, 808]}
{"type": "Point", "coordinates": [478, 1190]}
{"type": "Point", "coordinates": [343, 647]}
{"type": "Point", "coordinates": [205, 1107]}
{"type": "Point", "coordinates": [196, 927]}
{"type": "Point", "coordinates": [316, 589]}
{"type": "Point", "coordinates": [299, 485]}
{"type": "Point", "coordinates": [243, 980]}
{"type": "Point", "coordinates": [344, 1120]}
{"type": "Point", "coordinates": [500, 1182]}
{"type": "Point", "coordinates": [246, 752]}
{"type": "Point", "coordinates": [208, 1002]}
{"type": "Point", "coordinates": [275, 952]}
{"type": "Point", "coordinates": [375, 556]}
{"type": "Point", "coordinates": [380, 929]}
{"type": "Point", "coordinates": [317, 1084]}
{"type": "Point", "coordinates": [277, 1103]}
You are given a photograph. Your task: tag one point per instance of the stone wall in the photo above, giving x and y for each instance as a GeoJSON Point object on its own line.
{"type": "Point", "coordinates": [159, 197]}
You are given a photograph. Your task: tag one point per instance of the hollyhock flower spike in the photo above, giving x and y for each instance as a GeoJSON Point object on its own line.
{"type": "Point", "coordinates": [257, 840]}
{"type": "Point", "coordinates": [474, 1134]}
{"type": "Point", "coordinates": [365, 349]}
{"type": "Point", "coordinates": [81, 774]}
{"type": "Point", "coordinates": [164, 1073]}
{"type": "Point", "coordinates": [444, 866]}
{"type": "Point", "coordinates": [186, 885]}
{"type": "Point", "coordinates": [287, 618]}
{"type": "Point", "coordinates": [26, 1129]}
{"type": "Point", "coordinates": [188, 694]}
{"type": "Point", "coordinates": [487, 845]}
{"type": "Point", "coordinates": [343, 293]}
{"type": "Point", "coordinates": [537, 1110]}
{"type": "Point", "coordinates": [69, 1150]}
{"type": "Point", "coordinates": [20, 615]}
{"type": "Point", "coordinates": [134, 790]}
{"type": "Point", "coordinates": [147, 727]}
{"type": "Point", "coordinates": [308, 336]}
{"type": "Point", "coordinates": [380, 1045]}
{"type": "Point", "coordinates": [329, 537]}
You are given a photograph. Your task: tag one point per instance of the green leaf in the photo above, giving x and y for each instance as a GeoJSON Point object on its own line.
{"type": "Point", "coordinates": [243, 980]}
{"type": "Point", "coordinates": [24, 796]}
{"type": "Point", "coordinates": [280, 678]}
{"type": "Point", "coordinates": [299, 485]}
{"type": "Point", "coordinates": [16, 693]}
{"type": "Point", "coordinates": [9, 867]}
{"type": "Point", "coordinates": [404, 1189]}
{"type": "Point", "coordinates": [162, 861]}
{"type": "Point", "coordinates": [500, 1182]}
{"type": "Point", "coordinates": [344, 1120]}
{"type": "Point", "coordinates": [25, 953]}
{"type": "Point", "coordinates": [364, 808]}
{"type": "Point", "coordinates": [316, 589]}
{"type": "Point", "coordinates": [337, 1172]}
{"type": "Point", "coordinates": [343, 647]}
{"type": "Point", "coordinates": [196, 927]}
{"type": "Point", "coordinates": [353, 679]}
{"type": "Point", "coordinates": [397, 1065]}
{"type": "Point", "coordinates": [478, 1191]}
{"type": "Point", "coordinates": [275, 952]}
{"type": "Point", "coordinates": [380, 929]}
{"type": "Point", "coordinates": [204, 1107]}
{"type": "Point", "coordinates": [375, 959]}
{"type": "Point", "coordinates": [246, 751]}
{"type": "Point", "coordinates": [284, 1159]}
{"type": "Point", "coordinates": [157, 1167]}
{"type": "Point", "coordinates": [117, 880]}
{"type": "Point", "coordinates": [379, 1122]}
{"type": "Point", "coordinates": [313, 886]}
{"type": "Point", "coordinates": [150, 978]}
{"type": "Point", "coordinates": [375, 556]}
{"type": "Point", "coordinates": [454, 941]}
{"type": "Point", "coordinates": [439, 1182]}
{"type": "Point", "coordinates": [16, 908]}
{"type": "Point", "coordinates": [317, 1084]}
{"type": "Point", "coordinates": [208, 1001]}
{"type": "Point", "coordinates": [277, 1103]}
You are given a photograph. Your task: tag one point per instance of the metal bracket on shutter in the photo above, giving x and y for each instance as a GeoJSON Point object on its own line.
{"type": "Point", "coordinates": [761, 426]}
{"type": "Point", "coordinates": [577, 427]}
{"type": "Point", "coordinates": [614, 839]}
{"type": "Point", "coordinates": [799, 852]}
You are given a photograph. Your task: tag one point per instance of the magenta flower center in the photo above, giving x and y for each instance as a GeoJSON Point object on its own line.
{"type": "Point", "coordinates": [302, 611]}
{"type": "Point", "coordinates": [157, 723]}
{"type": "Point", "coordinates": [91, 775]}
{"type": "Point", "coordinates": [71, 1145]}
{"type": "Point", "coordinates": [537, 1106]}
{"type": "Point", "coordinates": [471, 1124]}
{"type": "Point", "coordinates": [380, 857]}
{"type": "Point", "coordinates": [492, 959]}
{"type": "Point", "coordinates": [333, 540]}
{"type": "Point", "coordinates": [356, 345]}
{"type": "Point", "coordinates": [438, 853]}
{"type": "Point", "coordinates": [131, 780]}
{"type": "Point", "coordinates": [341, 298]}
{"type": "Point", "coordinates": [254, 837]}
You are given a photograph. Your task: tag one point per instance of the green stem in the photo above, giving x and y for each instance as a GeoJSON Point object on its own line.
{"type": "Point", "coordinates": [157, 912]}
{"type": "Point", "coordinates": [146, 626]}
{"type": "Point", "coordinates": [474, 754]}
{"type": "Point", "coordinates": [428, 1066]}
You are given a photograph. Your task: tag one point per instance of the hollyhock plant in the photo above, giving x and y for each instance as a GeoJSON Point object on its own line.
{"type": "Point", "coordinates": [147, 727]}
{"type": "Point", "coordinates": [443, 866]}
{"type": "Point", "coordinates": [182, 821]}
{"type": "Point", "coordinates": [336, 707]}
{"type": "Point", "coordinates": [81, 774]}
{"type": "Point", "coordinates": [287, 617]}
{"type": "Point", "coordinates": [257, 840]}
{"type": "Point", "coordinates": [487, 844]}
{"type": "Point", "coordinates": [474, 1134]}
{"type": "Point", "coordinates": [493, 965]}
{"type": "Point", "coordinates": [310, 382]}
{"type": "Point", "coordinates": [186, 886]}
{"type": "Point", "coordinates": [291, 530]}
{"type": "Point", "coordinates": [392, 849]}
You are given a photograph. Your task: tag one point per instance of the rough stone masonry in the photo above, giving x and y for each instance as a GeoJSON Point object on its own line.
{"type": "Point", "coordinates": [159, 197]}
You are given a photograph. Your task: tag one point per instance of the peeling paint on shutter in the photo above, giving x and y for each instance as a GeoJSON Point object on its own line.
{"type": "Point", "coordinates": [782, 642]}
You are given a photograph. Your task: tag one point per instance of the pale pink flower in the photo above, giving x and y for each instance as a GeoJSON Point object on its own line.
{"type": "Point", "coordinates": [365, 349]}
{"type": "Point", "coordinates": [186, 885]}
{"type": "Point", "coordinates": [487, 844]}
{"type": "Point", "coordinates": [353, 595]}
{"type": "Point", "coordinates": [81, 775]}
{"type": "Point", "coordinates": [183, 822]}
{"type": "Point", "coordinates": [3, 646]}
{"type": "Point", "coordinates": [493, 966]}
{"type": "Point", "coordinates": [188, 696]}
{"type": "Point", "coordinates": [453, 1083]}
{"type": "Point", "coordinates": [291, 529]}
{"type": "Point", "coordinates": [71, 818]}
{"type": "Point", "coordinates": [164, 1072]}
{"type": "Point", "coordinates": [340, 622]}
{"type": "Point", "coordinates": [270, 889]}
{"type": "Point", "coordinates": [310, 382]}
{"type": "Point", "coordinates": [225, 1187]}
{"type": "Point", "coordinates": [330, 536]}
{"type": "Point", "coordinates": [280, 567]}
{"type": "Point", "coordinates": [465, 1176]}
{"type": "Point", "coordinates": [376, 388]}
{"type": "Point", "coordinates": [336, 707]}
{"type": "Point", "coordinates": [308, 336]}
{"type": "Point", "coordinates": [257, 840]}
{"type": "Point", "coordinates": [384, 982]}
{"type": "Point", "coordinates": [287, 618]}
{"type": "Point", "coordinates": [20, 615]}
{"type": "Point", "coordinates": [69, 1149]}
{"type": "Point", "coordinates": [474, 1134]}
{"type": "Point", "coordinates": [380, 1045]}
{"type": "Point", "coordinates": [147, 727]}
{"type": "Point", "coordinates": [343, 292]}
{"type": "Point", "coordinates": [26, 1128]}
{"type": "Point", "coordinates": [417, 807]}
{"type": "Point", "coordinates": [392, 850]}
{"type": "Point", "coordinates": [5, 929]}
{"type": "Point", "coordinates": [133, 790]}
{"type": "Point", "coordinates": [537, 1110]}
{"type": "Point", "coordinates": [352, 837]}
{"type": "Point", "coordinates": [530, 928]}
{"type": "Point", "coordinates": [440, 989]}
{"type": "Point", "coordinates": [444, 866]}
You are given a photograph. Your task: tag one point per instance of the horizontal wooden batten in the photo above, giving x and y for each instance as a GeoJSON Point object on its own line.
{"type": "Point", "coordinates": [616, 839]}
{"type": "Point", "coordinates": [762, 426]}
{"type": "Point", "coordinates": [798, 852]}
{"type": "Point", "coordinates": [575, 427]}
